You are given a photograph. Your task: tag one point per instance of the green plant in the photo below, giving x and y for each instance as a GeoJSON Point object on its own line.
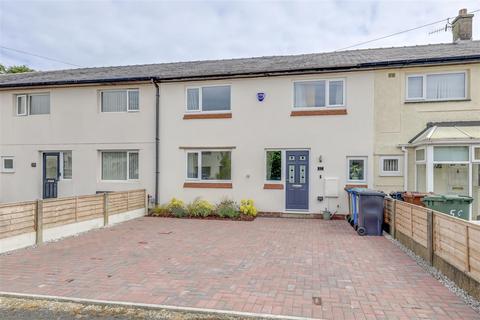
{"type": "Point", "coordinates": [160, 211]}
{"type": "Point", "coordinates": [177, 208]}
{"type": "Point", "coordinates": [200, 208]}
{"type": "Point", "coordinates": [227, 209]}
{"type": "Point", "coordinates": [247, 207]}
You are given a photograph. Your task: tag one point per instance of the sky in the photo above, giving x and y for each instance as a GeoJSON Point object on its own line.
{"type": "Point", "coordinates": [110, 32]}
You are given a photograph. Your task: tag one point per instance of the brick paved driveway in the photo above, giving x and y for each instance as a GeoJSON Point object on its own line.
{"type": "Point", "coordinates": [265, 266]}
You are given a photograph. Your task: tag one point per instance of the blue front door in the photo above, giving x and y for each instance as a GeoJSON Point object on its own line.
{"type": "Point", "coordinates": [297, 180]}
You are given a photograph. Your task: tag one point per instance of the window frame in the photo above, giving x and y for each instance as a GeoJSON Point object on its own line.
{"type": "Point", "coordinates": [62, 165]}
{"type": "Point", "coordinates": [128, 100]}
{"type": "Point", "coordinates": [25, 96]}
{"type": "Point", "coordinates": [424, 89]}
{"type": "Point", "coordinates": [128, 152]}
{"type": "Point", "coordinates": [327, 94]}
{"type": "Point", "coordinates": [200, 98]}
{"type": "Point", "coordinates": [475, 160]}
{"type": "Point", "coordinates": [282, 174]}
{"type": "Point", "coordinates": [448, 161]}
{"type": "Point", "coordinates": [8, 170]}
{"type": "Point", "coordinates": [424, 155]}
{"type": "Point", "coordinates": [397, 173]}
{"type": "Point", "coordinates": [199, 164]}
{"type": "Point", "coordinates": [365, 169]}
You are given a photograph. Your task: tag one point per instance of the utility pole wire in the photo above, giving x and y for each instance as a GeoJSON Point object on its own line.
{"type": "Point", "coordinates": [39, 56]}
{"type": "Point", "coordinates": [400, 32]}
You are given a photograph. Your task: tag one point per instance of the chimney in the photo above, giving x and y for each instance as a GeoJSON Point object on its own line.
{"type": "Point", "coordinates": [462, 26]}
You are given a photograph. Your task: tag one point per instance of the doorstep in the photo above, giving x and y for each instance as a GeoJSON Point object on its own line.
{"type": "Point", "coordinates": [295, 215]}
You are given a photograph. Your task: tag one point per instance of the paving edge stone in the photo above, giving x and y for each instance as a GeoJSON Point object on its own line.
{"type": "Point", "coordinates": [434, 272]}
{"type": "Point", "coordinates": [148, 306]}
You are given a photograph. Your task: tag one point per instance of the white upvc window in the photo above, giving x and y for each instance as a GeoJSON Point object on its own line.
{"type": "Point", "coordinates": [8, 164]}
{"type": "Point", "coordinates": [21, 105]}
{"type": "Point", "coordinates": [357, 169]}
{"type": "Point", "coordinates": [420, 155]}
{"type": "Point", "coordinates": [209, 165]}
{"type": "Point", "coordinates": [476, 154]}
{"type": "Point", "coordinates": [66, 165]}
{"type": "Point", "coordinates": [118, 165]}
{"type": "Point", "coordinates": [273, 165]}
{"type": "Point", "coordinates": [390, 166]}
{"type": "Point", "coordinates": [120, 100]}
{"type": "Point", "coordinates": [32, 104]}
{"type": "Point", "coordinates": [319, 93]}
{"type": "Point", "coordinates": [213, 99]}
{"type": "Point", "coordinates": [437, 86]}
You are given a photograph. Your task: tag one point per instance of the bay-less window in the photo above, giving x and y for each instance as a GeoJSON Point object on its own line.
{"type": "Point", "coordinates": [420, 170]}
{"type": "Point", "coordinates": [32, 104]}
{"type": "Point", "coordinates": [437, 86]}
{"type": "Point", "coordinates": [120, 100]}
{"type": "Point", "coordinates": [209, 165]}
{"type": "Point", "coordinates": [274, 165]}
{"type": "Point", "coordinates": [357, 169]}
{"type": "Point", "coordinates": [319, 93]}
{"type": "Point", "coordinates": [67, 165]}
{"type": "Point", "coordinates": [120, 165]}
{"type": "Point", "coordinates": [208, 98]}
{"type": "Point", "coordinates": [390, 166]}
{"type": "Point", "coordinates": [8, 164]}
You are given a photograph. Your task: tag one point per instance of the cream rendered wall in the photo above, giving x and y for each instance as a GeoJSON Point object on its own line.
{"type": "Point", "coordinates": [74, 123]}
{"type": "Point", "coordinates": [396, 122]}
{"type": "Point", "coordinates": [256, 126]}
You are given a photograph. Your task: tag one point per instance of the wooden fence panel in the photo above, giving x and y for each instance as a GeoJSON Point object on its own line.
{"type": "Point", "coordinates": [17, 218]}
{"type": "Point", "coordinates": [58, 212]}
{"type": "Point", "coordinates": [403, 218]}
{"type": "Point", "coordinates": [388, 210]}
{"type": "Point", "coordinates": [419, 225]}
{"type": "Point", "coordinates": [450, 241]}
{"type": "Point", "coordinates": [117, 202]}
{"type": "Point", "coordinates": [474, 251]}
{"type": "Point", "coordinates": [136, 199]}
{"type": "Point", "coordinates": [89, 207]}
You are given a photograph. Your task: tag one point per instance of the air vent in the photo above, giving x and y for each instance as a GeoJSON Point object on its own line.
{"type": "Point", "coordinates": [391, 75]}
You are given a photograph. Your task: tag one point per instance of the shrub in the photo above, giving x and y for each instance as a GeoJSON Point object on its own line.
{"type": "Point", "coordinates": [200, 208]}
{"type": "Point", "coordinates": [177, 208]}
{"type": "Point", "coordinates": [160, 211]}
{"type": "Point", "coordinates": [247, 208]}
{"type": "Point", "coordinates": [227, 209]}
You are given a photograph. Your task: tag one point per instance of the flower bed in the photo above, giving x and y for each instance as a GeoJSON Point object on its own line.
{"type": "Point", "coordinates": [202, 209]}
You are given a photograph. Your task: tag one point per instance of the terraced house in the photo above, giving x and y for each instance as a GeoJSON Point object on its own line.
{"type": "Point", "coordinates": [289, 132]}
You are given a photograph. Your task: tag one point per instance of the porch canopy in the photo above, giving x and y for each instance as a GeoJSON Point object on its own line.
{"type": "Point", "coordinates": [447, 160]}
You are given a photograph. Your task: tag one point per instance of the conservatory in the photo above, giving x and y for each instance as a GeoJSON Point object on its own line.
{"type": "Point", "coordinates": [447, 160]}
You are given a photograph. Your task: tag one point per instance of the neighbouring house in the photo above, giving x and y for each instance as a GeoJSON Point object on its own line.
{"type": "Point", "coordinates": [290, 132]}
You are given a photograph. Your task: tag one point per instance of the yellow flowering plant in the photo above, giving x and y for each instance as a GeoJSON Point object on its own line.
{"type": "Point", "coordinates": [247, 207]}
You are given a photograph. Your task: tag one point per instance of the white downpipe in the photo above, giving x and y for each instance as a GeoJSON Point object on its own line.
{"type": "Point", "coordinates": [405, 168]}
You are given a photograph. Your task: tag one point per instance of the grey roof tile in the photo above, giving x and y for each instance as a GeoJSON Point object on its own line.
{"type": "Point", "coordinates": [468, 50]}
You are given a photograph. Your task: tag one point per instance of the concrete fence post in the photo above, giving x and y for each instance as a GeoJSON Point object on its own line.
{"type": "Point", "coordinates": [105, 209]}
{"type": "Point", "coordinates": [39, 222]}
{"type": "Point", "coordinates": [430, 237]}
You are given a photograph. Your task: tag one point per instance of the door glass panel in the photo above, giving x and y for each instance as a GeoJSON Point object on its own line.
{"type": "Point", "coordinates": [303, 158]}
{"type": "Point", "coordinates": [291, 158]}
{"type": "Point", "coordinates": [303, 169]}
{"type": "Point", "coordinates": [291, 173]}
{"type": "Point", "coordinates": [51, 167]}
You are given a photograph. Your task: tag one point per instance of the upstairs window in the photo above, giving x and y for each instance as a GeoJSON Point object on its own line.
{"type": "Point", "coordinates": [437, 86]}
{"type": "Point", "coordinates": [32, 104]}
{"type": "Point", "coordinates": [319, 93]}
{"type": "Point", "coordinates": [208, 99]}
{"type": "Point", "coordinates": [120, 100]}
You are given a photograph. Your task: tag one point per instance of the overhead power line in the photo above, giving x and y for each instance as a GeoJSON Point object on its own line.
{"type": "Point", "coordinates": [400, 32]}
{"type": "Point", "coordinates": [40, 56]}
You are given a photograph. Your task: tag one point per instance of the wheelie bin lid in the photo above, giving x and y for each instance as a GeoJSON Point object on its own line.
{"type": "Point", "coordinates": [357, 190]}
{"type": "Point", "coordinates": [447, 198]}
{"type": "Point", "coordinates": [370, 192]}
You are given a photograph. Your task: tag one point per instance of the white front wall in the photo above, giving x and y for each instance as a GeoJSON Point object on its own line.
{"type": "Point", "coordinates": [75, 123]}
{"type": "Point", "coordinates": [256, 126]}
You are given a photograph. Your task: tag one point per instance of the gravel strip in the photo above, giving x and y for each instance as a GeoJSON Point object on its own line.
{"type": "Point", "coordinates": [468, 299]}
{"type": "Point", "coordinates": [38, 309]}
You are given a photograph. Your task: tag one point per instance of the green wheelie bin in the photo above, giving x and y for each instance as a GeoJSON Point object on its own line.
{"type": "Point", "coordinates": [454, 205]}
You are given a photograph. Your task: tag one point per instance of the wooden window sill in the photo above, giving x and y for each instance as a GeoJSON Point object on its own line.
{"type": "Point", "coordinates": [191, 116]}
{"type": "Point", "coordinates": [325, 112]}
{"type": "Point", "coordinates": [360, 185]}
{"type": "Point", "coordinates": [208, 185]}
{"type": "Point", "coordinates": [273, 186]}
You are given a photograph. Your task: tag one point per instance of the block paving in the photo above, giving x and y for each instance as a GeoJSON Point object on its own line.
{"type": "Point", "coordinates": [295, 267]}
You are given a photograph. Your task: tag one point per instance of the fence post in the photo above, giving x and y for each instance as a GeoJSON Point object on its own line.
{"type": "Point", "coordinates": [467, 249]}
{"type": "Point", "coordinates": [145, 195]}
{"type": "Point", "coordinates": [39, 220]}
{"type": "Point", "coordinates": [430, 237]}
{"type": "Point", "coordinates": [105, 209]}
